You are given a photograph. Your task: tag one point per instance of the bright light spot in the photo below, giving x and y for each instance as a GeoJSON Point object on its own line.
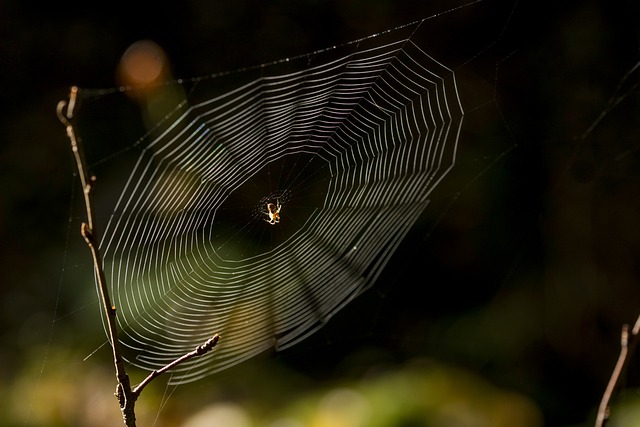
{"type": "Point", "coordinates": [144, 72]}
{"type": "Point", "coordinates": [222, 414]}
{"type": "Point", "coordinates": [286, 422]}
{"type": "Point", "coordinates": [343, 408]}
{"type": "Point", "coordinates": [143, 64]}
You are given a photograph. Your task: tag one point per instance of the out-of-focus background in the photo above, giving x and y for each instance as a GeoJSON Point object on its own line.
{"type": "Point", "coordinates": [527, 268]}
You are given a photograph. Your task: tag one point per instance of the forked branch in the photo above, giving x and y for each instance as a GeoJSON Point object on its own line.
{"type": "Point", "coordinates": [125, 394]}
{"type": "Point", "coordinates": [628, 341]}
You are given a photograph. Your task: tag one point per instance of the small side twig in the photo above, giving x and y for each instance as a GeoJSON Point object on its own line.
{"type": "Point", "coordinates": [199, 351]}
{"type": "Point", "coordinates": [124, 393]}
{"type": "Point", "coordinates": [628, 341]}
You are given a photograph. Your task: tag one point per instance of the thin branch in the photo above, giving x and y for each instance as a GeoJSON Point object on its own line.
{"type": "Point", "coordinates": [88, 231]}
{"type": "Point", "coordinates": [124, 393]}
{"type": "Point", "coordinates": [627, 342]}
{"type": "Point", "coordinates": [199, 351]}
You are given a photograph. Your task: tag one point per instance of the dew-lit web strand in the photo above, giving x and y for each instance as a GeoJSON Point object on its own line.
{"type": "Point", "coordinates": [98, 93]}
{"type": "Point", "coordinates": [55, 317]}
{"type": "Point", "coordinates": [189, 277]}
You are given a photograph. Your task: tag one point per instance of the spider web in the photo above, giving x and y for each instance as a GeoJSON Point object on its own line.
{"type": "Point", "coordinates": [350, 145]}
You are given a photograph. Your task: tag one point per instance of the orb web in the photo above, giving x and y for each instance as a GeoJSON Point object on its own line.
{"type": "Point", "coordinates": [350, 146]}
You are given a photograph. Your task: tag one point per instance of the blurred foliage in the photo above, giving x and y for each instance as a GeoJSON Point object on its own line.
{"type": "Point", "coordinates": [418, 393]}
{"type": "Point", "coordinates": [625, 411]}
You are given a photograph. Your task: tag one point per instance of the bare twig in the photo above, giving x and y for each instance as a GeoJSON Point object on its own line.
{"type": "Point", "coordinates": [627, 342]}
{"type": "Point", "coordinates": [199, 351]}
{"type": "Point", "coordinates": [125, 394]}
{"type": "Point", "coordinates": [88, 230]}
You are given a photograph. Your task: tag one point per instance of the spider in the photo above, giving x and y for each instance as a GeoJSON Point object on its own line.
{"type": "Point", "coordinates": [273, 212]}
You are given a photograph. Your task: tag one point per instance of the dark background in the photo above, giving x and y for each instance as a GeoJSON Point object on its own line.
{"type": "Point", "coordinates": [523, 269]}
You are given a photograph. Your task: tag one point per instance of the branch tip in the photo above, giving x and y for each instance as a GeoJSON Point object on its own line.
{"type": "Point", "coordinates": [624, 336]}
{"type": "Point", "coordinates": [208, 345]}
{"type": "Point", "coordinates": [73, 93]}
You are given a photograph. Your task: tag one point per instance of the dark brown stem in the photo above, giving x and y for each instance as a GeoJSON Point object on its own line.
{"type": "Point", "coordinates": [125, 395]}
{"type": "Point", "coordinates": [628, 340]}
